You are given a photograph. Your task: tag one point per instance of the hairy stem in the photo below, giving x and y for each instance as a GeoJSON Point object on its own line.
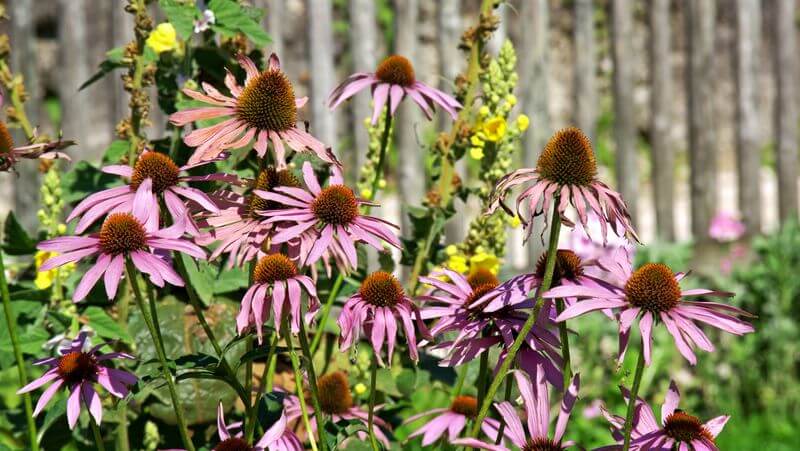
{"type": "Point", "coordinates": [312, 382]}
{"type": "Point", "coordinates": [555, 228]}
{"type": "Point", "coordinates": [637, 380]}
{"type": "Point", "coordinates": [98, 437]}
{"type": "Point", "coordinates": [162, 357]}
{"type": "Point", "coordinates": [326, 311]}
{"type": "Point", "coordinates": [22, 373]}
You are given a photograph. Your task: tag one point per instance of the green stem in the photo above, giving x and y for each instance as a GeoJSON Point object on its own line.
{"type": "Point", "coordinates": [483, 374]}
{"type": "Point", "coordinates": [419, 262]}
{"type": "Point", "coordinates": [326, 311]}
{"type": "Point", "coordinates": [298, 381]}
{"type": "Point", "coordinates": [262, 388]}
{"type": "Point", "coordinates": [371, 415]}
{"type": "Point", "coordinates": [248, 388]}
{"type": "Point", "coordinates": [507, 397]}
{"type": "Point", "coordinates": [194, 300]}
{"type": "Point", "coordinates": [462, 375]}
{"type": "Point", "coordinates": [312, 382]}
{"type": "Point", "coordinates": [162, 357]}
{"type": "Point", "coordinates": [555, 228]}
{"type": "Point", "coordinates": [564, 335]}
{"type": "Point", "coordinates": [98, 437]}
{"type": "Point", "coordinates": [387, 128]}
{"type": "Point", "coordinates": [21, 371]}
{"type": "Point", "coordinates": [637, 380]}
{"type": "Point", "coordinates": [121, 440]}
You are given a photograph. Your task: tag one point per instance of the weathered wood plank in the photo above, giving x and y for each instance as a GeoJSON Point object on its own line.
{"type": "Point", "coordinates": [786, 108]}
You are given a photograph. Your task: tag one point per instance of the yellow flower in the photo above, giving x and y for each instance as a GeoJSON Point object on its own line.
{"type": "Point", "coordinates": [483, 111]}
{"type": "Point", "coordinates": [523, 122]}
{"type": "Point", "coordinates": [45, 279]}
{"type": "Point", "coordinates": [451, 250]}
{"type": "Point", "coordinates": [476, 141]}
{"type": "Point", "coordinates": [163, 38]}
{"type": "Point", "coordinates": [382, 183]}
{"type": "Point", "coordinates": [514, 221]}
{"type": "Point", "coordinates": [458, 263]}
{"type": "Point", "coordinates": [476, 153]}
{"type": "Point", "coordinates": [494, 129]}
{"type": "Point", "coordinates": [360, 389]}
{"type": "Point", "coordinates": [484, 260]}
{"type": "Point", "coordinates": [511, 99]}
{"type": "Point", "coordinates": [366, 193]}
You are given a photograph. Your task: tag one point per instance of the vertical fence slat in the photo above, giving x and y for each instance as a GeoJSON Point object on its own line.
{"type": "Point", "coordinates": [661, 120]}
{"type": "Point", "coordinates": [320, 41]}
{"type": "Point", "coordinates": [699, 21]}
{"type": "Point", "coordinates": [535, 20]}
{"type": "Point", "coordinates": [786, 108]}
{"type": "Point", "coordinates": [23, 45]}
{"type": "Point", "coordinates": [72, 51]}
{"type": "Point", "coordinates": [410, 181]}
{"type": "Point", "coordinates": [363, 47]}
{"type": "Point", "coordinates": [585, 96]}
{"type": "Point", "coordinates": [748, 140]}
{"type": "Point", "coordinates": [274, 17]}
{"type": "Point", "coordinates": [622, 87]}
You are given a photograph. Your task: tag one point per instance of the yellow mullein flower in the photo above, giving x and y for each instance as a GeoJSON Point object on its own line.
{"type": "Point", "coordinates": [523, 122]}
{"type": "Point", "coordinates": [163, 38]}
{"type": "Point", "coordinates": [476, 141]}
{"type": "Point", "coordinates": [366, 193]}
{"type": "Point", "coordinates": [458, 263]}
{"type": "Point", "coordinates": [451, 250]}
{"type": "Point", "coordinates": [476, 152]}
{"type": "Point", "coordinates": [483, 111]}
{"type": "Point", "coordinates": [494, 129]}
{"type": "Point", "coordinates": [360, 389]}
{"type": "Point", "coordinates": [511, 99]}
{"type": "Point", "coordinates": [45, 279]}
{"type": "Point", "coordinates": [514, 222]}
{"type": "Point", "coordinates": [484, 260]}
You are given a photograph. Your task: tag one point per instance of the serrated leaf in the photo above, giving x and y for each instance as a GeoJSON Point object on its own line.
{"type": "Point", "coordinates": [115, 151]}
{"type": "Point", "coordinates": [16, 240]}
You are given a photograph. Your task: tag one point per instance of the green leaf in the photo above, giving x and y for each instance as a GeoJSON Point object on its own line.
{"type": "Point", "coordinates": [113, 61]}
{"type": "Point", "coordinates": [385, 382]}
{"type": "Point", "coordinates": [16, 240]}
{"type": "Point", "coordinates": [230, 17]}
{"type": "Point", "coordinates": [406, 382]}
{"type": "Point", "coordinates": [115, 151]}
{"type": "Point", "coordinates": [105, 325]}
{"type": "Point", "coordinates": [181, 16]}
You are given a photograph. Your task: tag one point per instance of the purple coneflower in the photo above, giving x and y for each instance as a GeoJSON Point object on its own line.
{"type": "Point", "coordinates": [277, 287]}
{"type": "Point", "coordinates": [77, 370]}
{"type": "Point", "coordinates": [165, 178]}
{"type": "Point", "coordinates": [10, 154]}
{"type": "Point", "coordinates": [376, 308]}
{"type": "Point", "coordinates": [123, 235]}
{"type": "Point", "coordinates": [679, 430]}
{"type": "Point", "coordinates": [276, 438]}
{"type": "Point", "coordinates": [566, 171]}
{"type": "Point", "coordinates": [725, 227]}
{"type": "Point", "coordinates": [485, 313]}
{"type": "Point", "coordinates": [452, 420]}
{"type": "Point", "coordinates": [537, 411]}
{"type": "Point", "coordinates": [390, 83]}
{"type": "Point", "coordinates": [333, 216]}
{"type": "Point", "coordinates": [264, 109]}
{"type": "Point", "coordinates": [243, 232]}
{"type": "Point", "coordinates": [653, 293]}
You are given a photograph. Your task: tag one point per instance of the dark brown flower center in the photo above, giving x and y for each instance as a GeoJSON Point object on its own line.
{"type": "Point", "coordinates": [482, 276]}
{"type": "Point", "coordinates": [396, 70]}
{"type": "Point", "coordinates": [334, 393]}
{"type": "Point", "coordinates": [77, 367]}
{"type": "Point", "coordinates": [267, 180]}
{"type": "Point", "coordinates": [268, 103]}
{"type": "Point", "coordinates": [541, 444]}
{"type": "Point", "coordinates": [233, 444]}
{"type": "Point", "coordinates": [478, 291]}
{"type": "Point", "coordinates": [465, 405]}
{"type": "Point", "coordinates": [6, 141]}
{"type": "Point", "coordinates": [685, 428]}
{"type": "Point", "coordinates": [159, 168]}
{"type": "Point", "coordinates": [568, 158]}
{"type": "Point", "coordinates": [335, 205]}
{"type": "Point", "coordinates": [567, 267]}
{"type": "Point", "coordinates": [653, 287]}
{"type": "Point", "coordinates": [274, 267]}
{"type": "Point", "coordinates": [381, 289]}
{"type": "Point", "coordinates": [122, 233]}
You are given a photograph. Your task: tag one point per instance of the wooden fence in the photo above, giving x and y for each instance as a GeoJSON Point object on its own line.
{"type": "Point", "coordinates": [696, 99]}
